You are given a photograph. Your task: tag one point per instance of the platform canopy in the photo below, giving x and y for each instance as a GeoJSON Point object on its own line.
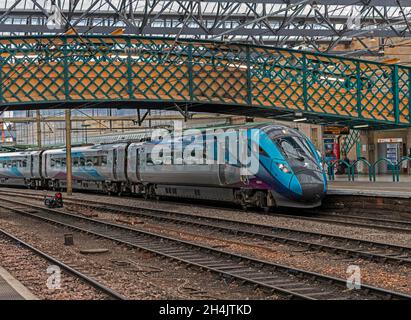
{"type": "Point", "coordinates": [318, 25]}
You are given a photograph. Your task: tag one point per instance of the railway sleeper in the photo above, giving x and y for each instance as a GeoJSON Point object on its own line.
{"type": "Point", "coordinates": [319, 294]}
{"type": "Point", "coordinates": [219, 265]}
{"type": "Point", "coordinates": [201, 260]}
{"type": "Point", "coordinates": [189, 256]}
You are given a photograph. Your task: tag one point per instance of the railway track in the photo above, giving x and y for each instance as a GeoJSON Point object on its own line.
{"type": "Point", "coordinates": [352, 247]}
{"type": "Point", "coordinates": [392, 225]}
{"type": "Point", "coordinates": [292, 282]}
{"type": "Point", "coordinates": [385, 224]}
{"type": "Point", "coordinates": [111, 294]}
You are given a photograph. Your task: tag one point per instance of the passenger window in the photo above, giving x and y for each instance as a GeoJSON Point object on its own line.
{"type": "Point", "coordinates": [89, 162]}
{"type": "Point", "coordinates": [104, 161]}
{"type": "Point", "coordinates": [75, 162]}
{"type": "Point", "coordinates": [82, 162]}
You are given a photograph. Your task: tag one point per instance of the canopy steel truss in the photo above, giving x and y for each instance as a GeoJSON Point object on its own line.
{"type": "Point", "coordinates": [307, 24]}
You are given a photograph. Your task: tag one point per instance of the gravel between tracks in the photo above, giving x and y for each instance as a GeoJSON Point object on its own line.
{"type": "Point", "coordinates": [137, 275]}
{"type": "Point", "coordinates": [386, 276]}
{"type": "Point", "coordinates": [31, 271]}
{"type": "Point", "coordinates": [377, 274]}
{"type": "Point", "coordinates": [255, 217]}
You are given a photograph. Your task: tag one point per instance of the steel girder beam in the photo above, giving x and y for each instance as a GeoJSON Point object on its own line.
{"type": "Point", "coordinates": [384, 3]}
{"type": "Point", "coordinates": [198, 32]}
{"type": "Point", "coordinates": [274, 22]}
{"type": "Point", "coordinates": [338, 19]}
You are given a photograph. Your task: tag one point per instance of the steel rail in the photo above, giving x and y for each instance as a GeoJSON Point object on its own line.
{"type": "Point", "coordinates": [290, 281]}
{"type": "Point", "coordinates": [85, 278]}
{"type": "Point", "coordinates": [319, 219]}
{"type": "Point", "coordinates": [390, 252]}
{"type": "Point", "coordinates": [386, 252]}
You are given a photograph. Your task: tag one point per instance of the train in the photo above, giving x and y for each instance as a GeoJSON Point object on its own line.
{"type": "Point", "coordinates": [287, 170]}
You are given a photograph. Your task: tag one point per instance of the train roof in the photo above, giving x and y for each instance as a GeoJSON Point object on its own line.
{"type": "Point", "coordinates": [19, 153]}
{"type": "Point", "coordinates": [89, 148]}
{"type": "Point", "coordinates": [251, 125]}
{"type": "Point", "coordinates": [248, 125]}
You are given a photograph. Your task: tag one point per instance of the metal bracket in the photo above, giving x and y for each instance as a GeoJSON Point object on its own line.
{"type": "Point", "coordinates": [140, 118]}
{"type": "Point", "coordinates": [185, 113]}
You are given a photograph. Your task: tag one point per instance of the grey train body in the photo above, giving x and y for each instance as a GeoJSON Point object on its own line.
{"type": "Point", "coordinates": [127, 168]}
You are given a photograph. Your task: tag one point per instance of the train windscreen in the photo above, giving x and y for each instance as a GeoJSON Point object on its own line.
{"type": "Point", "coordinates": [295, 147]}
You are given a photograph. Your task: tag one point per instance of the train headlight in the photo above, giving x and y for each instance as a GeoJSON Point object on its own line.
{"type": "Point", "coordinates": [283, 168]}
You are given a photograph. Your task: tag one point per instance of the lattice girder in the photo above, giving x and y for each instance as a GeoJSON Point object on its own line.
{"type": "Point", "coordinates": [66, 69]}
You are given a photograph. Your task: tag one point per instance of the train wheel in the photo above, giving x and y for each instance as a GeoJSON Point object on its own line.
{"type": "Point", "coordinates": [145, 196]}
{"type": "Point", "coordinates": [146, 193]}
{"type": "Point", "coordinates": [261, 200]}
{"type": "Point", "coordinates": [266, 209]}
{"type": "Point", "coordinates": [150, 192]}
{"type": "Point", "coordinates": [108, 190]}
{"type": "Point", "coordinates": [240, 199]}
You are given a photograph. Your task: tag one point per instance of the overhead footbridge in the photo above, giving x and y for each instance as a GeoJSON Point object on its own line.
{"type": "Point", "coordinates": [135, 72]}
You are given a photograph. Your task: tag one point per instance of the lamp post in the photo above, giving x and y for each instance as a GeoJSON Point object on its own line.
{"type": "Point", "coordinates": [68, 152]}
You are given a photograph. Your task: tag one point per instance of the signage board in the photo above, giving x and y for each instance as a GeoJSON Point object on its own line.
{"type": "Point", "coordinates": [390, 140]}
{"type": "Point", "coordinates": [336, 130]}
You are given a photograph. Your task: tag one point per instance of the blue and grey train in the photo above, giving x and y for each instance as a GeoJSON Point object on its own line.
{"type": "Point", "coordinates": [289, 173]}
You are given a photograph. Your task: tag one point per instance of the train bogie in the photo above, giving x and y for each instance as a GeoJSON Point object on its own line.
{"type": "Point", "coordinates": [197, 192]}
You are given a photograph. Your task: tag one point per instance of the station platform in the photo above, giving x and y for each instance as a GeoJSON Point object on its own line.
{"type": "Point", "coordinates": [12, 289]}
{"type": "Point", "coordinates": [383, 187]}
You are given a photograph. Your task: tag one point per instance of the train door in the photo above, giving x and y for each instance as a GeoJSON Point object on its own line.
{"type": "Point", "coordinates": [115, 164]}
{"type": "Point", "coordinates": [45, 164]}
{"type": "Point", "coordinates": [138, 164]}
{"type": "Point", "coordinates": [31, 166]}
{"type": "Point", "coordinates": [221, 174]}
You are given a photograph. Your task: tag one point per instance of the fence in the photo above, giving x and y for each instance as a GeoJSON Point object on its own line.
{"type": "Point", "coordinates": [372, 168]}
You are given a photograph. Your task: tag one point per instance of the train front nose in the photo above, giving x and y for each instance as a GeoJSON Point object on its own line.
{"type": "Point", "coordinates": [312, 185]}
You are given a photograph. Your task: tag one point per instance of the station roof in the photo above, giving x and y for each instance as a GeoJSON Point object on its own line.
{"type": "Point", "coordinates": [292, 23]}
